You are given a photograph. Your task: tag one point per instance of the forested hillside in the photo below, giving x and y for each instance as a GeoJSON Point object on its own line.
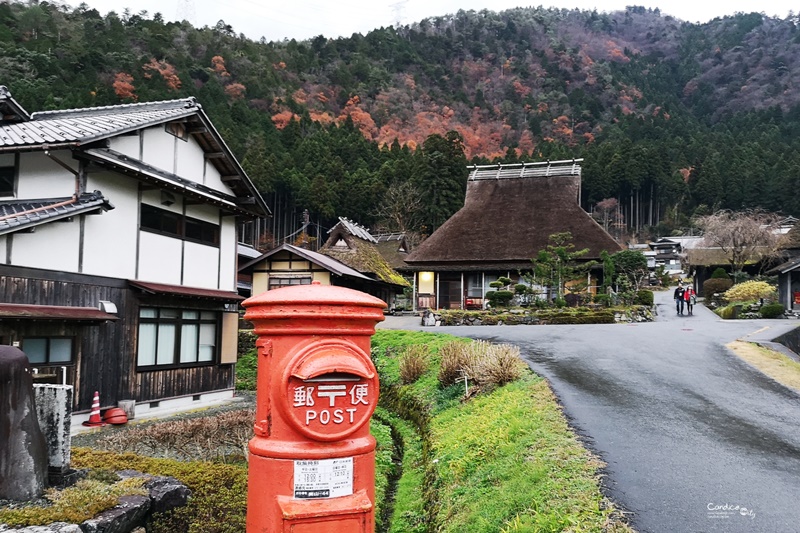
{"type": "Point", "coordinates": [672, 119]}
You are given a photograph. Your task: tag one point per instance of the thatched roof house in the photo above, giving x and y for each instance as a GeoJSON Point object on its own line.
{"type": "Point", "coordinates": [508, 216]}
{"type": "Point", "coordinates": [788, 272]}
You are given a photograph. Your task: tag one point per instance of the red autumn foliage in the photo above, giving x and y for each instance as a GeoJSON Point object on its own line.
{"type": "Point", "coordinates": [235, 91]}
{"type": "Point", "coordinates": [282, 119]}
{"type": "Point", "coordinates": [167, 72]}
{"type": "Point", "coordinates": [218, 65]}
{"type": "Point", "coordinates": [123, 86]}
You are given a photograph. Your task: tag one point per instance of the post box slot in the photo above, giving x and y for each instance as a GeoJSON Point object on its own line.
{"type": "Point", "coordinates": [333, 363]}
{"type": "Point", "coordinates": [333, 376]}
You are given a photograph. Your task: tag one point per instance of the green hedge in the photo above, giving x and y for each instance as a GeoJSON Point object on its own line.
{"type": "Point", "coordinates": [772, 310]}
{"type": "Point", "coordinates": [716, 286]}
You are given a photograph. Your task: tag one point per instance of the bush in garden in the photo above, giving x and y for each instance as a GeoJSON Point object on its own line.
{"type": "Point", "coordinates": [413, 363]}
{"type": "Point", "coordinates": [454, 359]}
{"type": "Point", "coordinates": [501, 364]}
{"type": "Point", "coordinates": [573, 299]}
{"type": "Point", "coordinates": [714, 286]}
{"type": "Point", "coordinates": [499, 298]}
{"type": "Point", "coordinates": [720, 273]}
{"type": "Point", "coordinates": [771, 310]}
{"type": "Point", "coordinates": [602, 299]}
{"type": "Point", "coordinates": [644, 297]}
{"type": "Point", "coordinates": [749, 291]}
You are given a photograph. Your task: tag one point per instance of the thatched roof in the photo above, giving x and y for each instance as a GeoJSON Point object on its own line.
{"type": "Point", "coordinates": [394, 247]}
{"type": "Point", "coordinates": [791, 241]}
{"type": "Point", "coordinates": [348, 244]}
{"type": "Point", "coordinates": [506, 221]}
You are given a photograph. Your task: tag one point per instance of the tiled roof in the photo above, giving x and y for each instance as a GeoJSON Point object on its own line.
{"type": "Point", "coordinates": [184, 291]}
{"type": "Point", "coordinates": [354, 229]}
{"type": "Point", "coordinates": [328, 263]}
{"type": "Point", "coordinates": [17, 215]}
{"type": "Point", "coordinates": [82, 126]}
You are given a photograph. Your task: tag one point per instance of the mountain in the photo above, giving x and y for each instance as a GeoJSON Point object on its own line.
{"type": "Point", "coordinates": [672, 118]}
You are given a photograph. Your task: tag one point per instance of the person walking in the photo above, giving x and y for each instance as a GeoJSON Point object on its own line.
{"type": "Point", "coordinates": [690, 297]}
{"type": "Point", "coordinates": [678, 296]}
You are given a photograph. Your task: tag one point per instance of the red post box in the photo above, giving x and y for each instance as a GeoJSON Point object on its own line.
{"type": "Point", "coordinates": [312, 459]}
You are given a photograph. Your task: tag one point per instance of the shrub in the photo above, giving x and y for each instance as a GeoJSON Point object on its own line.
{"type": "Point", "coordinates": [716, 286]}
{"type": "Point", "coordinates": [749, 291]}
{"type": "Point", "coordinates": [413, 363]}
{"type": "Point", "coordinates": [521, 288]}
{"type": "Point", "coordinates": [573, 299]}
{"type": "Point", "coordinates": [720, 273]}
{"type": "Point", "coordinates": [560, 302]}
{"type": "Point", "coordinates": [454, 358]}
{"type": "Point", "coordinates": [603, 299]}
{"type": "Point", "coordinates": [644, 297]}
{"type": "Point", "coordinates": [499, 298]}
{"type": "Point", "coordinates": [772, 310]}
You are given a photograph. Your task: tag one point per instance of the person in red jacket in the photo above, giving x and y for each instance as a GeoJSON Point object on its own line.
{"type": "Point", "coordinates": [690, 297]}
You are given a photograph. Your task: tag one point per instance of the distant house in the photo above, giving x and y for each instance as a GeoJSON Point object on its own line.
{"type": "Point", "coordinates": [288, 265]}
{"type": "Point", "coordinates": [788, 272]}
{"type": "Point", "coordinates": [509, 213]}
{"type": "Point", "coordinates": [118, 249]}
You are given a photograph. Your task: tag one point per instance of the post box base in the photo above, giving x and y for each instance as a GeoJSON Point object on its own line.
{"type": "Point", "coordinates": [347, 514]}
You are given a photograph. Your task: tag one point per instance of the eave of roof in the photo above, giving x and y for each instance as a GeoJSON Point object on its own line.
{"type": "Point", "coordinates": [22, 215]}
{"type": "Point", "coordinates": [188, 292]}
{"type": "Point", "coordinates": [53, 312]}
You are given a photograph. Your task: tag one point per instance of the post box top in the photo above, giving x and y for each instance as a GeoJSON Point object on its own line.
{"type": "Point", "coordinates": [315, 294]}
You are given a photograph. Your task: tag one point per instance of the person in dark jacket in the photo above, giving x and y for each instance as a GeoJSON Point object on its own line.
{"type": "Point", "coordinates": [678, 296]}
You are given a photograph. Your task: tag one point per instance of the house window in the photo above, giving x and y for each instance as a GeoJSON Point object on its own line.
{"type": "Point", "coordinates": [174, 337]}
{"type": "Point", "coordinates": [174, 224]}
{"type": "Point", "coordinates": [276, 282]}
{"type": "Point", "coordinates": [48, 350]}
{"type": "Point", "coordinates": [8, 174]}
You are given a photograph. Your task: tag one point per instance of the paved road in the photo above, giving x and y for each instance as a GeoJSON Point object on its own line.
{"type": "Point", "coordinates": [695, 440]}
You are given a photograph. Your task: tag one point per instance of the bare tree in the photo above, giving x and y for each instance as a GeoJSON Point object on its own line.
{"type": "Point", "coordinates": [606, 212]}
{"type": "Point", "coordinates": [741, 235]}
{"type": "Point", "coordinates": [401, 208]}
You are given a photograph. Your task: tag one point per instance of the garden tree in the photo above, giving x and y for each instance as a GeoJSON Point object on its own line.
{"type": "Point", "coordinates": [743, 236]}
{"type": "Point", "coordinates": [559, 264]}
{"type": "Point", "coordinates": [630, 268]}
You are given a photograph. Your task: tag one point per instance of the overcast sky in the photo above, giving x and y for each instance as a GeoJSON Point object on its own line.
{"type": "Point", "coordinates": [303, 19]}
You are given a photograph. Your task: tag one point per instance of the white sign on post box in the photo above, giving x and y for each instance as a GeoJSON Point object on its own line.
{"type": "Point", "coordinates": [323, 478]}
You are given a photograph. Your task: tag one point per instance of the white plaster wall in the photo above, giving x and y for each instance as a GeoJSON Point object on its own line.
{"type": "Point", "coordinates": [3, 248]}
{"type": "Point", "coordinates": [159, 148]}
{"type": "Point", "coordinates": [214, 180]}
{"type": "Point", "coordinates": [204, 212]}
{"type": "Point", "coordinates": [201, 264]}
{"type": "Point", "coordinates": [126, 144]}
{"type": "Point", "coordinates": [227, 271]}
{"type": "Point", "coordinates": [153, 197]}
{"type": "Point", "coordinates": [43, 177]}
{"type": "Point", "coordinates": [191, 160]}
{"type": "Point", "coordinates": [52, 246]}
{"type": "Point", "coordinates": [159, 258]}
{"type": "Point", "coordinates": [110, 237]}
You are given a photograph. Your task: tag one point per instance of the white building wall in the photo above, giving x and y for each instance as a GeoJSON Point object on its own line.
{"type": "Point", "coordinates": [159, 258]}
{"type": "Point", "coordinates": [227, 271]}
{"type": "Point", "coordinates": [206, 213]}
{"type": "Point", "coordinates": [110, 236]}
{"type": "Point", "coordinates": [159, 148]}
{"type": "Point", "coordinates": [126, 144]}
{"type": "Point", "coordinates": [214, 180]}
{"type": "Point", "coordinates": [3, 248]}
{"type": "Point", "coordinates": [43, 177]}
{"type": "Point", "coordinates": [190, 161]}
{"type": "Point", "coordinates": [52, 246]}
{"type": "Point", "coordinates": [201, 264]}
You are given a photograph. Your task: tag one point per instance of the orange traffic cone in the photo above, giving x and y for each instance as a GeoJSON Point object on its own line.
{"type": "Point", "coordinates": [94, 416]}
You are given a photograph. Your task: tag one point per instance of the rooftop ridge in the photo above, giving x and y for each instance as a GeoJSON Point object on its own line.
{"type": "Point", "coordinates": [568, 167]}
{"type": "Point", "coordinates": [182, 103]}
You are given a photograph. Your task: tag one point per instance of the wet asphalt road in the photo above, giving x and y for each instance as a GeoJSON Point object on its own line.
{"type": "Point", "coordinates": [695, 440]}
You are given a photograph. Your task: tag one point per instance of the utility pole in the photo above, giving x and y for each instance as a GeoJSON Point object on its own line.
{"type": "Point", "coordinates": [398, 8]}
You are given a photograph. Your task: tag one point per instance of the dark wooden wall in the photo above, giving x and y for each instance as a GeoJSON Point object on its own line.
{"type": "Point", "coordinates": [105, 353]}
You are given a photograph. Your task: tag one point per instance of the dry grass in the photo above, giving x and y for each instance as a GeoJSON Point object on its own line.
{"type": "Point", "coordinates": [413, 363]}
{"type": "Point", "coordinates": [775, 365]}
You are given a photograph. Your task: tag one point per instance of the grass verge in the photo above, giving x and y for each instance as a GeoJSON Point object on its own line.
{"type": "Point", "coordinates": [505, 460]}
{"type": "Point", "coordinates": [774, 364]}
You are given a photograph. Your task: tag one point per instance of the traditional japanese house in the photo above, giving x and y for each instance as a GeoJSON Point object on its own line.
{"type": "Point", "coordinates": [509, 214]}
{"type": "Point", "coordinates": [788, 271]}
{"type": "Point", "coordinates": [118, 250]}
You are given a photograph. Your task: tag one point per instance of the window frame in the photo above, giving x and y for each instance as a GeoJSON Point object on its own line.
{"type": "Point", "coordinates": [287, 281]}
{"type": "Point", "coordinates": [12, 177]}
{"type": "Point", "coordinates": [179, 323]}
{"type": "Point", "coordinates": [48, 349]}
{"type": "Point", "coordinates": [209, 233]}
